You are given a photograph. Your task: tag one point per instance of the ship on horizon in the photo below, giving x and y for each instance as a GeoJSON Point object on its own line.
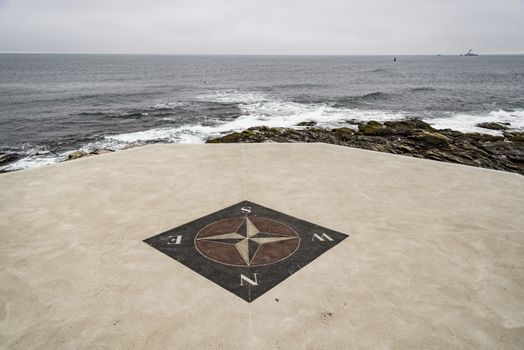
{"type": "Point", "coordinates": [469, 53]}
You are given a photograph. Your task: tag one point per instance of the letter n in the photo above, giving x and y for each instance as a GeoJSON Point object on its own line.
{"type": "Point", "coordinates": [253, 282]}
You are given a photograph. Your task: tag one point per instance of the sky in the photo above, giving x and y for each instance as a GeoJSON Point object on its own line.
{"type": "Point", "coordinates": [317, 27]}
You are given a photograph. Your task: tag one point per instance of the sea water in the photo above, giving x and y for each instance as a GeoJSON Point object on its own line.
{"type": "Point", "coordinates": [52, 104]}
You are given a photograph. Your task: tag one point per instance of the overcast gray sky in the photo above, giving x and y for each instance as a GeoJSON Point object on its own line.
{"type": "Point", "coordinates": [262, 26]}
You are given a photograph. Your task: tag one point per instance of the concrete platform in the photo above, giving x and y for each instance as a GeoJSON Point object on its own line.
{"type": "Point", "coordinates": [434, 256]}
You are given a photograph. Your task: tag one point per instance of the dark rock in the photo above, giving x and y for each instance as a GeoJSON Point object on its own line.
{"type": "Point", "coordinates": [77, 154]}
{"type": "Point", "coordinates": [310, 123]}
{"type": "Point", "coordinates": [404, 127]}
{"type": "Point", "coordinates": [244, 136]}
{"type": "Point", "coordinates": [405, 149]}
{"type": "Point", "coordinates": [484, 137]}
{"type": "Point", "coordinates": [5, 157]}
{"type": "Point", "coordinates": [431, 138]}
{"type": "Point", "coordinates": [516, 156]}
{"type": "Point", "coordinates": [450, 133]}
{"type": "Point", "coordinates": [80, 153]}
{"type": "Point", "coordinates": [133, 145]}
{"type": "Point", "coordinates": [514, 136]}
{"type": "Point", "coordinates": [407, 137]}
{"type": "Point", "coordinates": [99, 151]}
{"type": "Point", "coordinates": [229, 138]}
{"type": "Point", "coordinates": [343, 133]}
{"type": "Point", "coordinates": [442, 156]}
{"type": "Point", "coordinates": [372, 128]}
{"type": "Point", "coordinates": [493, 125]}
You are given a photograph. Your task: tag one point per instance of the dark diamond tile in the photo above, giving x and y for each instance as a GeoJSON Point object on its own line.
{"type": "Point", "coordinates": [246, 248]}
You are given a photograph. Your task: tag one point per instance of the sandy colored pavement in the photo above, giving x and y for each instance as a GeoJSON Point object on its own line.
{"type": "Point", "coordinates": [434, 257]}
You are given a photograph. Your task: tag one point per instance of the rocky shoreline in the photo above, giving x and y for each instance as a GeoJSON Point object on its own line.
{"type": "Point", "coordinates": [411, 137]}
{"type": "Point", "coordinates": [6, 158]}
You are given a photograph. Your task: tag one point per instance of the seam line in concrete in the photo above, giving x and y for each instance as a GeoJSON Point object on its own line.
{"type": "Point", "coordinates": [244, 189]}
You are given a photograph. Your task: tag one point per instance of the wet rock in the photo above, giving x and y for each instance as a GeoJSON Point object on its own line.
{"type": "Point", "coordinates": [243, 136]}
{"type": "Point", "coordinates": [82, 153]}
{"type": "Point", "coordinates": [133, 145]}
{"type": "Point", "coordinates": [407, 127]}
{"type": "Point", "coordinates": [410, 137]}
{"type": "Point", "coordinates": [309, 123]}
{"type": "Point", "coordinates": [77, 154]}
{"type": "Point", "coordinates": [405, 149]}
{"type": "Point", "coordinates": [442, 156]}
{"type": "Point", "coordinates": [401, 128]}
{"type": "Point", "coordinates": [372, 128]}
{"type": "Point", "coordinates": [99, 151]}
{"type": "Point", "coordinates": [516, 156]}
{"type": "Point", "coordinates": [493, 125]}
{"type": "Point", "coordinates": [4, 157]}
{"type": "Point", "coordinates": [514, 136]}
{"type": "Point", "coordinates": [432, 138]}
{"type": "Point", "coordinates": [234, 137]}
{"type": "Point", "coordinates": [343, 133]}
{"type": "Point", "coordinates": [484, 137]}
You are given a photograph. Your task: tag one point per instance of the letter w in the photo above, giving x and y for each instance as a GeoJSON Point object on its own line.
{"type": "Point", "coordinates": [322, 237]}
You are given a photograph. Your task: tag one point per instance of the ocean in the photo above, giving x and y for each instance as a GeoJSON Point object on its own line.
{"type": "Point", "coordinates": [52, 104]}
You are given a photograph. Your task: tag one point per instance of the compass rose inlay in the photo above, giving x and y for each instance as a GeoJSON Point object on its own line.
{"type": "Point", "coordinates": [246, 248]}
{"type": "Point", "coordinates": [255, 241]}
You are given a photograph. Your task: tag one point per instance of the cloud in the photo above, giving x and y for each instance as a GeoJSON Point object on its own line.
{"type": "Point", "coordinates": [262, 27]}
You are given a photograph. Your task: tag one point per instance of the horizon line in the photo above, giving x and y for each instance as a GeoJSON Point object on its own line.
{"type": "Point", "coordinates": [248, 54]}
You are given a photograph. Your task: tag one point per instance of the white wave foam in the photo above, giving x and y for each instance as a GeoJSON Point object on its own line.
{"type": "Point", "coordinates": [234, 96]}
{"type": "Point", "coordinates": [167, 105]}
{"type": "Point", "coordinates": [33, 161]}
{"type": "Point", "coordinates": [276, 113]}
{"type": "Point", "coordinates": [465, 122]}
{"type": "Point", "coordinates": [257, 109]}
{"type": "Point", "coordinates": [260, 110]}
{"type": "Point", "coordinates": [185, 134]}
{"type": "Point", "coordinates": [270, 114]}
{"type": "Point", "coordinates": [289, 114]}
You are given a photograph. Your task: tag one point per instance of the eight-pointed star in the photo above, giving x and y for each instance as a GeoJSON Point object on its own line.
{"type": "Point", "coordinates": [247, 239]}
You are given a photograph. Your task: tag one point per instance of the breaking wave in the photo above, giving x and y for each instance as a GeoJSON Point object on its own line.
{"type": "Point", "coordinates": [257, 109]}
{"type": "Point", "coordinates": [32, 157]}
{"type": "Point", "coordinates": [167, 106]}
{"type": "Point", "coordinates": [233, 96]}
{"type": "Point", "coordinates": [467, 122]}
{"type": "Point", "coordinates": [260, 109]}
